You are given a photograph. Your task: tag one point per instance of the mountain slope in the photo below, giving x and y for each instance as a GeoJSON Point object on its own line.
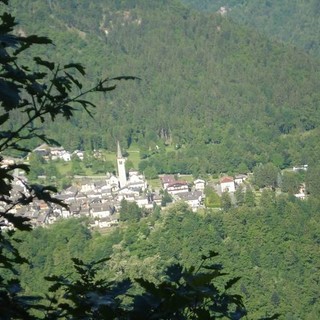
{"type": "Point", "coordinates": [293, 21]}
{"type": "Point", "coordinates": [227, 92]}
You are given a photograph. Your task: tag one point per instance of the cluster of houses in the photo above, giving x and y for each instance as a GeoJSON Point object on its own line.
{"type": "Point", "coordinates": [100, 200]}
{"type": "Point", "coordinates": [182, 191]}
{"type": "Point", "coordinates": [55, 153]}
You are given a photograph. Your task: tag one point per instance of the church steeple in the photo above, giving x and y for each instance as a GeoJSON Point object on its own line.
{"type": "Point", "coordinates": [121, 167]}
{"type": "Point", "coordinates": [119, 154]}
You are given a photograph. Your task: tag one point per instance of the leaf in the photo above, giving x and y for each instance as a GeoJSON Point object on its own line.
{"type": "Point", "coordinates": [211, 254]}
{"type": "Point", "coordinates": [4, 118]}
{"type": "Point", "coordinates": [9, 95]}
{"type": "Point", "coordinates": [47, 140]}
{"type": "Point", "coordinates": [20, 223]}
{"type": "Point", "coordinates": [74, 80]}
{"type": "Point", "coordinates": [147, 285]}
{"type": "Point", "coordinates": [213, 267]}
{"type": "Point", "coordinates": [231, 282]}
{"type": "Point", "coordinates": [174, 272]}
{"type": "Point", "coordinates": [67, 111]}
{"type": "Point", "coordinates": [27, 42]}
{"type": "Point", "coordinates": [125, 78]}
{"type": "Point", "coordinates": [45, 63]}
{"type": "Point", "coordinates": [102, 260]}
{"type": "Point", "coordinates": [50, 188]}
{"type": "Point", "coordinates": [21, 166]}
{"type": "Point", "coordinates": [204, 278]}
{"type": "Point", "coordinates": [105, 89]}
{"type": "Point", "coordinates": [8, 22]}
{"type": "Point", "coordinates": [34, 39]}
{"type": "Point", "coordinates": [77, 66]}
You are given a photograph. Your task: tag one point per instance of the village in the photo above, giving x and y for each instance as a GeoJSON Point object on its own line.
{"type": "Point", "coordinates": [99, 199]}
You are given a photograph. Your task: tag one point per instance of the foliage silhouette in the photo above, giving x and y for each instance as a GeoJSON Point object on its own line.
{"type": "Point", "coordinates": [186, 293]}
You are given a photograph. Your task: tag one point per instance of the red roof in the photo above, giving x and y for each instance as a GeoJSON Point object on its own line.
{"type": "Point", "coordinates": [177, 184]}
{"type": "Point", "coordinates": [226, 179]}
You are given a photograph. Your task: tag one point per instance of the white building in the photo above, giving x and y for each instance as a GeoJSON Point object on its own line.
{"type": "Point", "coordinates": [227, 184]}
{"type": "Point", "coordinates": [199, 184]}
{"type": "Point", "coordinates": [240, 178]}
{"type": "Point", "coordinates": [177, 187]}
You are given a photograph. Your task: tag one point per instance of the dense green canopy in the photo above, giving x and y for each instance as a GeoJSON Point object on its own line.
{"type": "Point", "coordinates": [223, 92]}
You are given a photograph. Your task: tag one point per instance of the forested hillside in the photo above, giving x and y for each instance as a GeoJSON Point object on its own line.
{"type": "Point", "coordinates": [295, 22]}
{"type": "Point", "coordinates": [273, 247]}
{"type": "Point", "coordinates": [224, 93]}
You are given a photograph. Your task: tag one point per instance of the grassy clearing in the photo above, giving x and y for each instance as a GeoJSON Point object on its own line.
{"type": "Point", "coordinates": [155, 184]}
{"type": "Point", "coordinates": [186, 177]}
{"type": "Point", "coordinates": [134, 157]}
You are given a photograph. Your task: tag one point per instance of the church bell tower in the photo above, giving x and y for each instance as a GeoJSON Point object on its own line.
{"type": "Point", "coordinates": [121, 167]}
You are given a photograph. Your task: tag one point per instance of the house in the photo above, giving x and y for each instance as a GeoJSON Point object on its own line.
{"type": "Point", "coordinates": [302, 168]}
{"type": "Point", "coordinates": [157, 199]}
{"type": "Point", "coordinates": [43, 150]}
{"type": "Point", "coordinates": [222, 11]}
{"type": "Point", "coordinates": [302, 193]}
{"type": "Point", "coordinates": [240, 178]}
{"type": "Point", "coordinates": [98, 185]}
{"type": "Point", "coordinates": [127, 194]}
{"type": "Point", "coordinates": [166, 180]}
{"type": "Point", "coordinates": [227, 184]}
{"type": "Point", "coordinates": [65, 156]}
{"type": "Point", "coordinates": [52, 153]}
{"type": "Point", "coordinates": [87, 187]}
{"type": "Point", "coordinates": [193, 199]}
{"type": "Point", "coordinates": [100, 210]}
{"type": "Point", "coordinates": [177, 187]}
{"type": "Point", "coordinates": [93, 195]}
{"type": "Point", "coordinates": [133, 172]}
{"type": "Point", "coordinates": [137, 182]}
{"type": "Point", "coordinates": [199, 184]}
{"type": "Point", "coordinates": [142, 202]}
{"type": "Point", "coordinates": [56, 152]}
{"type": "Point", "coordinates": [79, 154]}
{"type": "Point", "coordinates": [107, 222]}
{"type": "Point", "coordinates": [113, 182]}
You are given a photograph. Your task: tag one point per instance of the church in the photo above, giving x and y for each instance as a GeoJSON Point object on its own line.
{"type": "Point", "coordinates": [135, 182]}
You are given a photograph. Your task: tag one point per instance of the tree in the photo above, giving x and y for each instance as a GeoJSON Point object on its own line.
{"type": "Point", "coordinates": [166, 198]}
{"type": "Point", "coordinates": [249, 198]}
{"type": "Point", "coordinates": [76, 166]}
{"type": "Point", "coordinates": [291, 182]}
{"type": "Point", "coordinates": [150, 172]}
{"type": "Point", "coordinates": [129, 211]}
{"type": "Point", "coordinates": [36, 163]}
{"type": "Point", "coordinates": [312, 183]}
{"type": "Point", "coordinates": [226, 203]}
{"type": "Point", "coordinates": [240, 195]}
{"type": "Point", "coordinates": [266, 175]}
{"type": "Point", "coordinates": [212, 200]}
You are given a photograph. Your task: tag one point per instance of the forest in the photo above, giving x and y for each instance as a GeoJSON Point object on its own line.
{"type": "Point", "coordinates": [222, 97]}
{"type": "Point", "coordinates": [272, 246]}
{"type": "Point", "coordinates": [210, 88]}
{"type": "Point", "coordinates": [293, 22]}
